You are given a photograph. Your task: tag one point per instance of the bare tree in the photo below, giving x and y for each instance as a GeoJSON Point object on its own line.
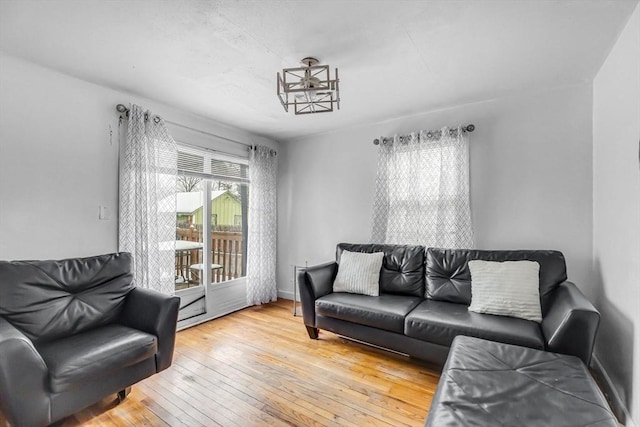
{"type": "Point", "coordinates": [221, 185]}
{"type": "Point", "coordinates": [188, 183]}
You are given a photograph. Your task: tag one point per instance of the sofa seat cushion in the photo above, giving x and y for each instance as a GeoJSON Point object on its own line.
{"type": "Point", "coordinates": [383, 312]}
{"type": "Point", "coordinates": [440, 322]}
{"type": "Point", "coordinates": [94, 354]}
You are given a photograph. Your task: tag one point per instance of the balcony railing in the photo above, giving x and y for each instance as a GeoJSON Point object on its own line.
{"type": "Point", "coordinates": [226, 252]}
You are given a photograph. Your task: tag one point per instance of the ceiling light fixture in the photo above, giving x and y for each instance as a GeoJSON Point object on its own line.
{"type": "Point", "coordinates": [309, 89]}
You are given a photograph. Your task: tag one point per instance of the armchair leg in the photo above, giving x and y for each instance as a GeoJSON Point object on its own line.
{"type": "Point", "coordinates": [313, 332]}
{"type": "Point", "coordinates": [122, 394]}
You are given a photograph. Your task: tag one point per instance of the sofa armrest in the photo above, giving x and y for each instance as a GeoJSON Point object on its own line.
{"type": "Point", "coordinates": [315, 282]}
{"type": "Point", "coordinates": [24, 398]}
{"type": "Point", "coordinates": [156, 314]}
{"type": "Point", "coordinates": [570, 323]}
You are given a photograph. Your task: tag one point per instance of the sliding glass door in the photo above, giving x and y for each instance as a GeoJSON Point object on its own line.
{"type": "Point", "coordinates": [211, 224]}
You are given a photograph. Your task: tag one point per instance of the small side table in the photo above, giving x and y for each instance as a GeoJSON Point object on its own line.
{"type": "Point", "coordinates": [196, 269]}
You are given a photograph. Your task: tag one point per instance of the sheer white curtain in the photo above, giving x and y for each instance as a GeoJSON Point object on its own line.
{"type": "Point", "coordinates": [262, 227]}
{"type": "Point", "coordinates": [422, 190]}
{"type": "Point", "coordinates": [148, 169]}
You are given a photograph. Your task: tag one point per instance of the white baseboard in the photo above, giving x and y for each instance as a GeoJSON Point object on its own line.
{"type": "Point", "coordinates": [286, 294]}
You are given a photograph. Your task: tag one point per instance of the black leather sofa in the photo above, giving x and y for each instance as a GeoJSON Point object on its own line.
{"type": "Point", "coordinates": [75, 331]}
{"type": "Point", "coordinates": [424, 296]}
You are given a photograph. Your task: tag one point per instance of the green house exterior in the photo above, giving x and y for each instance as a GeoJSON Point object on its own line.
{"type": "Point", "coordinates": [226, 210]}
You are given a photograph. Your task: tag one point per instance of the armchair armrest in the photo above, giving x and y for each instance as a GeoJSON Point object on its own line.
{"type": "Point", "coordinates": [24, 398]}
{"type": "Point", "coordinates": [156, 314]}
{"type": "Point", "coordinates": [571, 323]}
{"type": "Point", "coordinates": [315, 282]}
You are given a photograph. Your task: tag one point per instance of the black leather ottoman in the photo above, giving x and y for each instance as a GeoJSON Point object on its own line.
{"type": "Point", "coordinates": [485, 383]}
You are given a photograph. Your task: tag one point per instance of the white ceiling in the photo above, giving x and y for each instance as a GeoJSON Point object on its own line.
{"type": "Point", "coordinates": [219, 59]}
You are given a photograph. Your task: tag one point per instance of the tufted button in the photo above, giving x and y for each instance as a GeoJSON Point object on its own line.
{"type": "Point", "coordinates": [402, 268]}
{"type": "Point", "coordinates": [449, 279]}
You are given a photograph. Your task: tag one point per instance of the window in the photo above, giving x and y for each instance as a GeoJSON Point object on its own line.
{"type": "Point", "coordinates": [212, 197]}
{"type": "Point", "coordinates": [422, 190]}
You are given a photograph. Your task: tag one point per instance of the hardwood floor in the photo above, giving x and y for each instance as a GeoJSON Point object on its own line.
{"type": "Point", "coordinates": [258, 367]}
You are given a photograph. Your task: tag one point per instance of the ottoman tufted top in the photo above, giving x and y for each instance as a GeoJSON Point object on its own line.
{"type": "Point", "coordinates": [490, 383]}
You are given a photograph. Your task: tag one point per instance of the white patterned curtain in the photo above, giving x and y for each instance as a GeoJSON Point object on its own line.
{"type": "Point", "coordinates": [261, 238]}
{"type": "Point", "coordinates": [148, 170]}
{"type": "Point", "coordinates": [422, 190]}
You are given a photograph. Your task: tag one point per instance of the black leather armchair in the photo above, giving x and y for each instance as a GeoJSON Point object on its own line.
{"type": "Point", "coordinates": [75, 331]}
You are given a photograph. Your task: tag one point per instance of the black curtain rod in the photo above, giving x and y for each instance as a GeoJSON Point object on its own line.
{"type": "Point", "coordinates": [121, 108]}
{"type": "Point", "coordinates": [467, 128]}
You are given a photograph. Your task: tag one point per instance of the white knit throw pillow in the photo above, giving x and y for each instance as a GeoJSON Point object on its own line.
{"type": "Point", "coordinates": [509, 288]}
{"type": "Point", "coordinates": [359, 273]}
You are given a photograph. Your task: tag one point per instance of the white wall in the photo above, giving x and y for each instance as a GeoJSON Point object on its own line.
{"type": "Point", "coordinates": [616, 212]}
{"type": "Point", "coordinates": [59, 161]}
{"type": "Point", "coordinates": [531, 177]}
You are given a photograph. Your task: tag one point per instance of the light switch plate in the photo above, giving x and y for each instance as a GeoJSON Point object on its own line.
{"type": "Point", "coordinates": [105, 213]}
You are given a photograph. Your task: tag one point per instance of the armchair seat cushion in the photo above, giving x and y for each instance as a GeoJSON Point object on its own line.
{"type": "Point", "coordinates": [440, 322]}
{"type": "Point", "coordinates": [383, 312]}
{"type": "Point", "coordinates": [93, 354]}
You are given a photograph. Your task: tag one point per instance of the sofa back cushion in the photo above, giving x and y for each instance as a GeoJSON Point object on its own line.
{"type": "Point", "coordinates": [402, 270]}
{"type": "Point", "coordinates": [51, 299]}
{"type": "Point", "coordinates": [449, 279]}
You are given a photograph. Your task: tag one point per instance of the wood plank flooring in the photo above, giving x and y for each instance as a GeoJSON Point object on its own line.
{"type": "Point", "coordinates": [258, 367]}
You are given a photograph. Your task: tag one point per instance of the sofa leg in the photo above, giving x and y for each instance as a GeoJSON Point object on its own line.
{"type": "Point", "coordinates": [122, 394]}
{"type": "Point", "coordinates": [313, 332]}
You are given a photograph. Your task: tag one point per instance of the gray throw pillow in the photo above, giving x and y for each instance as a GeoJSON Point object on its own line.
{"type": "Point", "coordinates": [359, 273]}
{"type": "Point", "coordinates": [509, 288]}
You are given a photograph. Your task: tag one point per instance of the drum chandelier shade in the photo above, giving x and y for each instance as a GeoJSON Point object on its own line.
{"type": "Point", "coordinates": [309, 89]}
